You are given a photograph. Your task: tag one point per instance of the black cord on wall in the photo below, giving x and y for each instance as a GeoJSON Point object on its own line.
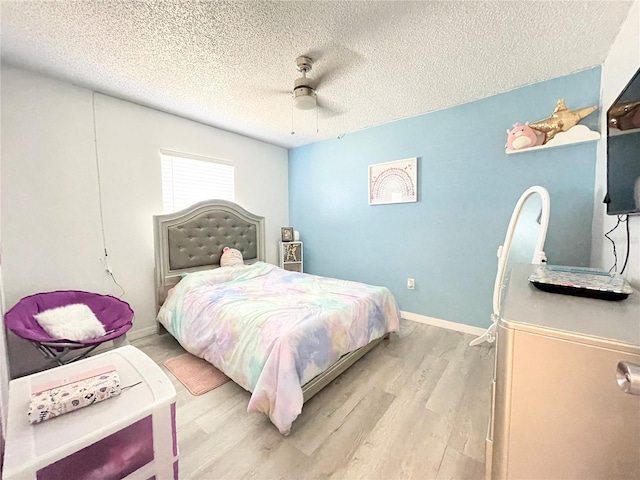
{"type": "Point", "coordinates": [626, 258]}
{"type": "Point", "coordinates": [614, 267]}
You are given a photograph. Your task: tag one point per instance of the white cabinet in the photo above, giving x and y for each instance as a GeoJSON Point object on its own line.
{"type": "Point", "coordinates": [132, 435]}
{"type": "Point", "coordinates": [558, 411]}
{"type": "Point", "coordinates": [291, 256]}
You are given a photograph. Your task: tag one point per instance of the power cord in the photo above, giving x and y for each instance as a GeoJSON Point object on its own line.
{"type": "Point", "coordinates": [110, 273]}
{"type": "Point", "coordinates": [626, 258]}
{"type": "Point", "coordinates": [104, 238]}
{"type": "Point", "coordinates": [614, 267]}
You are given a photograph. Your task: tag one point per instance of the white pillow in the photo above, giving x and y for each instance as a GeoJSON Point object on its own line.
{"type": "Point", "coordinates": [71, 322]}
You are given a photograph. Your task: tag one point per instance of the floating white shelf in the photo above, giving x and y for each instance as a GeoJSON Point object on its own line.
{"type": "Point", "coordinates": [578, 134]}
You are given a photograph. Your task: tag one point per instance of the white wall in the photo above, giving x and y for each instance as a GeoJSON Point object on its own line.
{"type": "Point", "coordinates": [620, 65]}
{"type": "Point", "coordinates": [4, 384]}
{"type": "Point", "coordinates": [4, 378]}
{"type": "Point", "coordinates": [4, 359]}
{"type": "Point", "coordinates": [50, 210]}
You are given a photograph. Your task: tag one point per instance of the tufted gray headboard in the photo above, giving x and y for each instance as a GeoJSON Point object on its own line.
{"type": "Point", "coordinates": [192, 239]}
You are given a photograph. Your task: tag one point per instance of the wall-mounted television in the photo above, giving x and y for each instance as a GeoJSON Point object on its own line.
{"type": "Point", "coordinates": [623, 151]}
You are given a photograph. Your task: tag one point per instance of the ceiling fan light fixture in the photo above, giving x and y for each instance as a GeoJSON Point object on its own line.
{"type": "Point", "coordinates": [304, 98]}
{"type": "Point", "coordinates": [305, 102]}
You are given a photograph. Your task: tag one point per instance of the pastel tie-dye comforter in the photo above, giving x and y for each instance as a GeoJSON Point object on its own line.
{"type": "Point", "coordinates": [271, 330]}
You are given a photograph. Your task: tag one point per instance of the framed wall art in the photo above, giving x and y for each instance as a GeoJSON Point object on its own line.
{"type": "Point", "coordinates": [287, 234]}
{"type": "Point", "coordinates": [393, 182]}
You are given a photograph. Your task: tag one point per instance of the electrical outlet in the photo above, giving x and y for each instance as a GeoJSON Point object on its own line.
{"type": "Point", "coordinates": [411, 283]}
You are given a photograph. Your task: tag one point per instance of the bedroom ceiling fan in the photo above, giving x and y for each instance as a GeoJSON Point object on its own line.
{"type": "Point", "coordinates": [304, 93]}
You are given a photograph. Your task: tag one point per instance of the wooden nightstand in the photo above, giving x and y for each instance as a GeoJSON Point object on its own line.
{"type": "Point", "coordinates": [291, 256]}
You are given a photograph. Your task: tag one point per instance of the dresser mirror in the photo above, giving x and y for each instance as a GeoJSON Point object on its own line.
{"type": "Point", "coordinates": [524, 243]}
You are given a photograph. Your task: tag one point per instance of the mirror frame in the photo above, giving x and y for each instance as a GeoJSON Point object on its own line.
{"type": "Point", "coordinates": [503, 254]}
{"type": "Point", "coordinates": [504, 249]}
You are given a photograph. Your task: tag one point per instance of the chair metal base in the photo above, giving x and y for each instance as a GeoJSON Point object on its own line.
{"type": "Point", "coordinates": [58, 352]}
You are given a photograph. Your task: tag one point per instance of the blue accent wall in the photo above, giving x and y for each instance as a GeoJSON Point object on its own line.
{"type": "Point", "coordinates": [468, 187]}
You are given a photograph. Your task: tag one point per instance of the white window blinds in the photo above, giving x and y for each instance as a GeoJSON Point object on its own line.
{"type": "Point", "coordinates": [186, 181]}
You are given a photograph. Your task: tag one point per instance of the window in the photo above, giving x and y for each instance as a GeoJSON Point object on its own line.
{"type": "Point", "coordinates": [187, 180]}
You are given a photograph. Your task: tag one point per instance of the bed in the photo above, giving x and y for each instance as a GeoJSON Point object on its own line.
{"type": "Point", "coordinates": [281, 335]}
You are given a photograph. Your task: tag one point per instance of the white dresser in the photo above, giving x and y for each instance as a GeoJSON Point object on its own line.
{"type": "Point", "coordinates": [558, 411]}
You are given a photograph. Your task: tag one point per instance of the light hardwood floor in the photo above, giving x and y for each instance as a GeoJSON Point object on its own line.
{"type": "Point", "coordinates": [416, 406]}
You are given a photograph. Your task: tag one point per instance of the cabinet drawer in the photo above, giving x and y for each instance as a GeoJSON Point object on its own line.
{"type": "Point", "coordinates": [569, 418]}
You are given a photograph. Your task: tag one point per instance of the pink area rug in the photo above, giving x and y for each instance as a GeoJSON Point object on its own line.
{"type": "Point", "coordinates": [196, 374]}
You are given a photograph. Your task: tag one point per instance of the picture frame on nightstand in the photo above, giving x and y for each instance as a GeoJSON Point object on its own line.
{"type": "Point", "coordinates": [286, 234]}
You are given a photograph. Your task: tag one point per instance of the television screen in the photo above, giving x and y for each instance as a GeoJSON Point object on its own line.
{"type": "Point", "coordinates": [623, 151]}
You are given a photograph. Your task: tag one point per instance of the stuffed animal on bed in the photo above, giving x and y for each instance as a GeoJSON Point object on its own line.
{"type": "Point", "coordinates": [231, 257]}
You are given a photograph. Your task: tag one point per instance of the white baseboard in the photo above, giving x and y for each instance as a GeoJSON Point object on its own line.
{"type": "Point", "coordinates": [141, 332]}
{"type": "Point", "coordinates": [135, 335]}
{"type": "Point", "coordinates": [438, 322]}
{"type": "Point", "coordinates": [414, 317]}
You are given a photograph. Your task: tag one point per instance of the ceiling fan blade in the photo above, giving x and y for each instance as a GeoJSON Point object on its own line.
{"type": "Point", "coordinates": [338, 61]}
{"type": "Point", "coordinates": [329, 110]}
{"type": "Point", "coordinates": [315, 55]}
{"type": "Point", "coordinates": [274, 91]}
{"type": "Point", "coordinates": [317, 80]}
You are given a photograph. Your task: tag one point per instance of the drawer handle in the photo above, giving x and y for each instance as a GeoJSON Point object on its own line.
{"type": "Point", "coordinates": [628, 377]}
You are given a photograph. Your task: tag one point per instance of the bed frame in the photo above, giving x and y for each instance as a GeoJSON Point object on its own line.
{"type": "Point", "coordinates": [192, 239]}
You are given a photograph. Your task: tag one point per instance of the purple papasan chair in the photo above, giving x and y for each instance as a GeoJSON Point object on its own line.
{"type": "Point", "coordinates": [113, 313]}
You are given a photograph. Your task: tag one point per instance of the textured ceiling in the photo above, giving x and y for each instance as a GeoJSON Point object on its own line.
{"type": "Point", "coordinates": [224, 63]}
